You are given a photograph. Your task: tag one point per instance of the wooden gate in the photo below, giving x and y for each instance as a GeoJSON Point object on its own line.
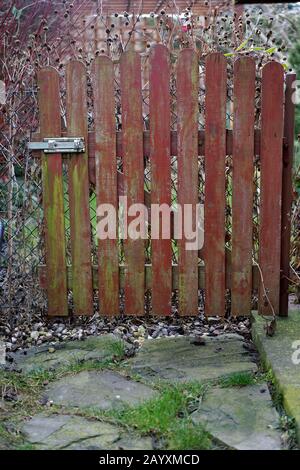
{"type": "Point", "coordinates": [215, 268]}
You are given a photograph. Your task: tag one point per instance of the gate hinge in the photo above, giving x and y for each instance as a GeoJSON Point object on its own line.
{"type": "Point", "coordinates": [59, 145]}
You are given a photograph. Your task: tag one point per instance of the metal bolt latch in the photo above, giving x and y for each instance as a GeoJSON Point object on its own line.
{"type": "Point", "coordinates": [59, 145]}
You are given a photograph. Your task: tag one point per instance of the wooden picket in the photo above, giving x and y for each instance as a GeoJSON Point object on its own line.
{"type": "Point", "coordinates": [159, 110]}
{"type": "Point", "coordinates": [214, 208]}
{"type": "Point", "coordinates": [79, 191]}
{"type": "Point", "coordinates": [271, 186]}
{"type": "Point", "coordinates": [223, 268]}
{"type": "Point", "coordinates": [106, 181]}
{"type": "Point", "coordinates": [49, 101]}
{"type": "Point", "coordinates": [242, 188]}
{"type": "Point", "coordinates": [187, 133]}
{"type": "Point", "coordinates": [133, 168]}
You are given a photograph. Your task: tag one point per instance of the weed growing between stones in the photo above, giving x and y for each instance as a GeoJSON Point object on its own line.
{"type": "Point", "coordinates": [168, 417]}
{"type": "Point", "coordinates": [186, 435]}
{"type": "Point", "coordinates": [289, 433]}
{"type": "Point", "coordinates": [287, 424]}
{"type": "Point", "coordinates": [117, 349]}
{"type": "Point", "coordinates": [240, 379]}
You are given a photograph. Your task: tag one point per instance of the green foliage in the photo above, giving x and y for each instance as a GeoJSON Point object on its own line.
{"type": "Point", "coordinates": [239, 379]}
{"type": "Point", "coordinates": [156, 415]}
{"type": "Point", "coordinates": [188, 436]}
{"type": "Point", "coordinates": [168, 417]}
{"type": "Point", "coordinates": [25, 446]}
{"type": "Point", "coordinates": [117, 349]}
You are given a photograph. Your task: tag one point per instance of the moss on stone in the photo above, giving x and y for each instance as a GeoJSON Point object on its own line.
{"type": "Point", "coordinates": [276, 354]}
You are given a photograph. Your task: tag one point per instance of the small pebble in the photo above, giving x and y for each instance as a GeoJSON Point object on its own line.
{"type": "Point", "coordinates": [34, 335]}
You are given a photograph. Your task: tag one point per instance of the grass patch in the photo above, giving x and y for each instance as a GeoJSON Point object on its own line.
{"type": "Point", "coordinates": [117, 349]}
{"type": "Point", "coordinates": [167, 416]}
{"type": "Point", "coordinates": [25, 446]}
{"type": "Point", "coordinates": [188, 436]}
{"type": "Point", "coordinates": [238, 379]}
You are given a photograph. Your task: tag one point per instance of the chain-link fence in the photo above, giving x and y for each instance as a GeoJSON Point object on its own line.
{"type": "Point", "coordinates": [21, 213]}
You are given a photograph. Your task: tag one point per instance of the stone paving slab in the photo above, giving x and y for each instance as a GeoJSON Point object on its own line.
{"type": "Point", "coordinates": [94, 348]}
{"type": "Point", "coordinates": [281, 353]}
{"type": "Point", "coordinates": [58, 432]}
{"type": "Point", "coordinates": [179, 359]}
{"type": "Point", "coordinates": [98, 389]}
{"type": "Point", "coordinates": [240, 418]}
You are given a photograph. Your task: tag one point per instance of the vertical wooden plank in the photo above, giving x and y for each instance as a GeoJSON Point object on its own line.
{"type": "Point", "coordinates": [187, 135]}
{"type": "Point", "coordinates": [106, 181]}
{"type": "Point", "coordinates": [214, 207]}
{"type": "Point", "coordinates": [79, 191]}
{"type": "Point", "coordinates": [271, 185]}
{"type": "Point", "coordinates": [159, 82]}
{"type": "Point", "coordinates": [287, 192]}
{"type": "Point", "coordinates": [52, 180]}
{"type": "Point", "coordinates": [242, 190]}
{"type": "Point", "coordinates": [133, 168]}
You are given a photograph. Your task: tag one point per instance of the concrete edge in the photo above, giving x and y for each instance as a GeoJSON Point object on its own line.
{"type": "Point", "coordinates": [287, 396]}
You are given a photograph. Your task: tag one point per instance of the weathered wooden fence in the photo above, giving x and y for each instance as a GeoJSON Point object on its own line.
{"type": "Point", "coordinates": [222, 268]}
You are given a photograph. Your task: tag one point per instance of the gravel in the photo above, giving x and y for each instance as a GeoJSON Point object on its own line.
{"type": "Point", "coordinates": [133, 330]}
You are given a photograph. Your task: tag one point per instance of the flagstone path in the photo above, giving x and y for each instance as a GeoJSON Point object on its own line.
{"type": "Point", "coordinates": [235, 417]}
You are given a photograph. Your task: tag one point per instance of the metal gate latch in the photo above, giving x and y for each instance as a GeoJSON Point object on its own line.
{"type": "Point", "coordinates": [59, 145]}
